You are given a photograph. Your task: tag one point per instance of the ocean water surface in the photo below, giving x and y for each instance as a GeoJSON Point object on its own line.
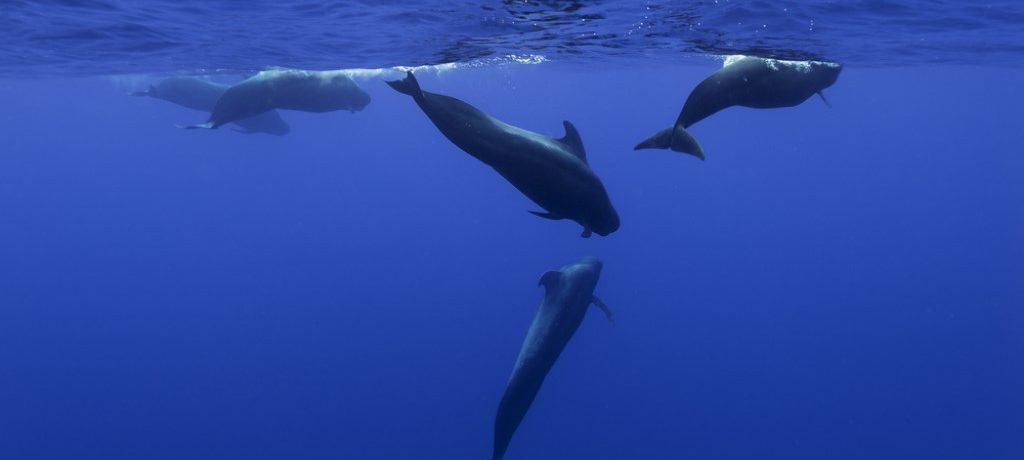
{"type": "Point", "coordinates": [841, 282]}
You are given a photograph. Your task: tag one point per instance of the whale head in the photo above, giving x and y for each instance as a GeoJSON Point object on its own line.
{"type": "Point", "coordinates": [344, 92]}
{"type": "Point", "coordinates": [582, 274]}
{"type": "Point", "coordinates": [825, 73]}
{"type": "Point", "coordinates": [604, 222]}
{"type": "Point", "coordinates": [360, 99]}
{"type": "Point", "coordinates": [592, 264]}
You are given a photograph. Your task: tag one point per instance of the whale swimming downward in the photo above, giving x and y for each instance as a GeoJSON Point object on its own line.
{"type": "Point", "coordinates": [554, 173]}
{"type": "Point", "coordinates": [567, 295]}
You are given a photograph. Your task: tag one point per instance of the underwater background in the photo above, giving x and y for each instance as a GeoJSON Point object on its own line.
{"type": "Point", "coordinates": [840, 283]}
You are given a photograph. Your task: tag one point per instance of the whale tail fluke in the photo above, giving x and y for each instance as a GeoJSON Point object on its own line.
{"type": "Point", "coordinates": [660, 140]}
{"type": "Point", "coordinates": [407, 85]}
{"type": "Point", "coordinates": [207, 125]}
{"type": "Point", "coordinates": [674, 138]}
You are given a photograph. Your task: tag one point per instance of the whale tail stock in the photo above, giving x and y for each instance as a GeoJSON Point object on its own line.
{"type": "Point", "coordinates": [676, 138]}
{"type": "Point", "coordinates": [407, 85]}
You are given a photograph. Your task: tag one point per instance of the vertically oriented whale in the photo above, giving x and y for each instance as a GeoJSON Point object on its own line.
{"type": "Point", "coordinates": [288, 89]}
{"type": "Point", "coordinates": [567, 295]}
{"type": "Point", "coordinates": [748, 82]}
{"type": "Point", "coordinates": [554, 173]}
{"type": "Point", "coordinates": [201, 94]}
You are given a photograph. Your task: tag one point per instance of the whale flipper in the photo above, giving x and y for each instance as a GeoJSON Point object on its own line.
{"type": "Point", "coordinates": [604, 307]}
{"type": "Point", "coordinates": [675, 138]}
{"type": "Point", "coordinates": [546, 215]}
{"type": "Point", "coordinates": [586, 232]}
{"type": "Point", "coordinates": [572, 141]}
{"type": "Point", "coordinates": [822, 96]}
{"type": "Point", "coordinates": [207, 125]}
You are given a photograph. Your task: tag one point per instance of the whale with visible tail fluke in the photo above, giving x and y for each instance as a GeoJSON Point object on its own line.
{"type": "Point", "coordinates": [553, 172]}
{"type": "Point", "coordinates": [747, 82]}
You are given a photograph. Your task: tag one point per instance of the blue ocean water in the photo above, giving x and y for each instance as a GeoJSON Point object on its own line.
{"type": "Point", "coordinates": [841, 283]}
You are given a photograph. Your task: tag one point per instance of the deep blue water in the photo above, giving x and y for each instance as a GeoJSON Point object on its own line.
{"type": "Point", "coordinates": [841, 283]}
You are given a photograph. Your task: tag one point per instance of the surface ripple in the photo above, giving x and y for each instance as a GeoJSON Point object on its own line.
{"type": "Point", "coordinates": [92, 37]}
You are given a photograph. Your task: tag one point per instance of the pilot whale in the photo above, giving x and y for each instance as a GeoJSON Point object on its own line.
{"type": "Point", "coordinates": [747, 82]}
{"type": "Point", "coordinates": [567, 295]}
{"type": "Point", "coordinates": [303, 90]}
{"type": "Point", "coordinates": [201, 94]}
{"type": "Point", "coordinates": [554, 173]}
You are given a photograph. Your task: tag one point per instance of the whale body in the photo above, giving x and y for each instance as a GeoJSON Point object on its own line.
{"type": "Point", "coordinates": [201, 94]}
{"type": "Point", "coordinates": [747, 82]}
{"type": "Point", "coordinates": [554, 173]}
{"type": "Point", "coordinates": [568, 293]}
{"type": "Point", "coordinates": [302, 90]}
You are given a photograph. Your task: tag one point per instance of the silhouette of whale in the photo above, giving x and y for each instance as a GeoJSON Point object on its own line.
{"type": "Point", "coordinates": [747, 82]}
{"type": "Point", "coordinates": [201, 94]}
{"type": "Point", "coordinates": [303, 90]}
{"type": "Point", "coordinates": [554, 173]}
{"type": "Point", "coordinates": [567, 295]}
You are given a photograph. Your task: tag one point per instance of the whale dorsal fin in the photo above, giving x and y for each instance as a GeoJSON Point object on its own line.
{"type": "Point", "coordinates": [572, 141]}
{"type": "Point", "coordinates": [550, 279]}
{"type": "Point", "coordinates": [604, 307]}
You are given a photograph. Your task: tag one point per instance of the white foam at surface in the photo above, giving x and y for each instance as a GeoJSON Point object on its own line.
{"type": "Point", "coordinates": [802, 66]}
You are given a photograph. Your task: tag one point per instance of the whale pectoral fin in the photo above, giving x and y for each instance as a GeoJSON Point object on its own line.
{"type": "Point", "coordinates": [546, 215]}
{"type": "Point", "coordinates": [586, 232]}
{"type": "Point", "coordinates": [604, 307]}
{"type": "Point", "coordinates": [572, 141]}
{"type": "Point", "coordinates": [822, 96]}
{"type": "Point", "coordinates": [207, 125]}
{"type": "Point", "coordinates": [550, 279]}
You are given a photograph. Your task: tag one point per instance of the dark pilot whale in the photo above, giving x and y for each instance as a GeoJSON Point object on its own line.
{"type": "Point", "coordinates": [567, 295]}
{"type": "Point", "coordinates": [201, 94]}
{"type": "Point", "coordinates": [747, 82]}
{"type": "Point", "coordinates": [303, 90]}
{"type": "Point", "coordinates": [554, 173]}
